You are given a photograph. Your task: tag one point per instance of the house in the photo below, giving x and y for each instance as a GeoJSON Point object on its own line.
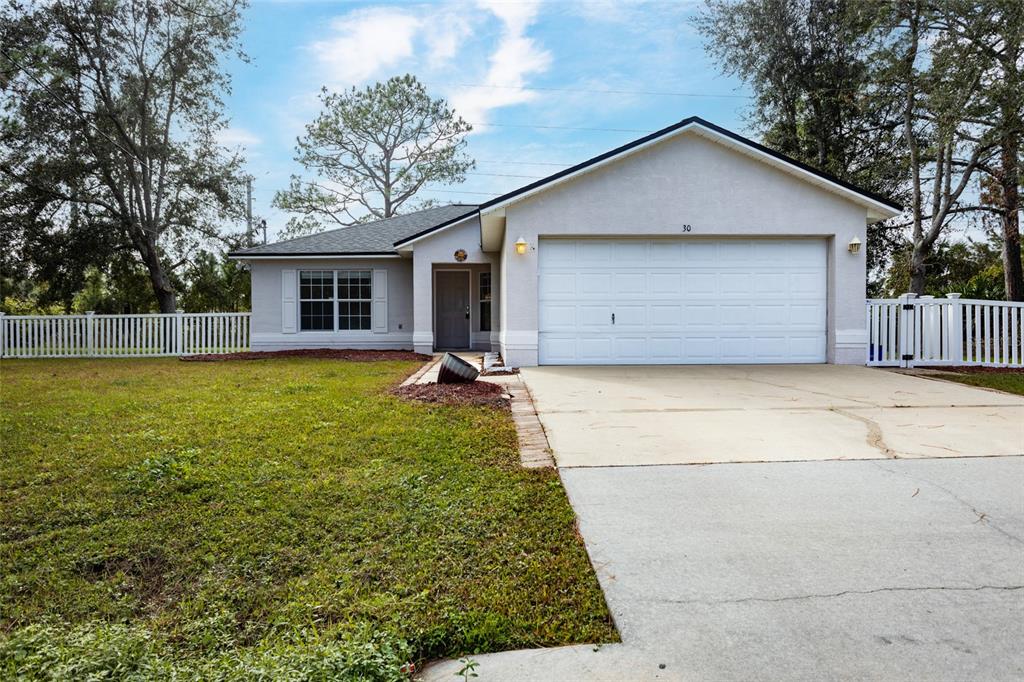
{"type": "Point", "coordinates": [690, 245]}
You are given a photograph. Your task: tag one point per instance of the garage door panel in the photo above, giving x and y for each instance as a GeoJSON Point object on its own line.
{"type": "Point", "coordinates": [592, 317]}
{"type": "Point", "coordinates": [664, 316]}
{"type": "Point", "coordinates": [680, 301]}
{"type": "Point", "coordinates": [630, 283]}
{"type": "Point", "coordinates": [665, 283]}
{"type": "Point", "coordinates": [558, 284]}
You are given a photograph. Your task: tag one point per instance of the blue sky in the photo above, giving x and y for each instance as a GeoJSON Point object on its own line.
{"type": "Point", "coordinates": [528, 75]}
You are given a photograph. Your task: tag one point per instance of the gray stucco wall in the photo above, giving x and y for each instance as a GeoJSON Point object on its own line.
{"type": "Point", "coordinates": [267, 327]}
{"type": "Point", "coordinates": [685, 180]}
{"type": "Point", "coordinates": [436, 252]}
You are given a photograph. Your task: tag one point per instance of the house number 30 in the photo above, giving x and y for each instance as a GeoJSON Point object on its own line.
{"type": "Point", "coordinates": [687, 228]}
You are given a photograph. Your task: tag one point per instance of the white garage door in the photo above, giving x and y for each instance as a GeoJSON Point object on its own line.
{"type": "Point", "coordinates": [694, 301]}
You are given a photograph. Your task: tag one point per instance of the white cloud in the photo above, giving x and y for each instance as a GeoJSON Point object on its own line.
{"type": "Point", "coordinates": [238, 137]}
{"type": "Point", "coordinates": [444, 39]}
{"type": "Point", "coordinates": [516, 57]}
{"type": "Point", "coordinates": [366, 42]}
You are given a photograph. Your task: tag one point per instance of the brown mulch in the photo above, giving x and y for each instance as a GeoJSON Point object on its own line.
{"type": "Point", "coordinates": [474, 393]}
{"type": "Point", "coordinates": [318, 353]}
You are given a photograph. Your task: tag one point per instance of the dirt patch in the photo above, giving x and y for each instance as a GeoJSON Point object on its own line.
{"type": "Point", "coordinates": [318, 353]}
{"type": "Point", "coordinates": [475, 393]}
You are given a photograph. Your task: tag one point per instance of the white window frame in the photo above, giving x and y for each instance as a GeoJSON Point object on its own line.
{"type": "Point", "coordinates": [334, 302]}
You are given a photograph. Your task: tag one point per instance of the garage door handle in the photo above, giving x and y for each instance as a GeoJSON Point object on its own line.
{"type": "Point", "coordinates": [613, 318]}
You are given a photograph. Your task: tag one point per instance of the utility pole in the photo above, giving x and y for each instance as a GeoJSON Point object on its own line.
{"type": "Point", "coordinates": [248, 210]}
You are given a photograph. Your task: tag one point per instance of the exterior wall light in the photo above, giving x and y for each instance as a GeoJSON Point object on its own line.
{"type": "Point", "coordinates": [854, 245]}
{"type": "Point", "coordinates": [521, 246]}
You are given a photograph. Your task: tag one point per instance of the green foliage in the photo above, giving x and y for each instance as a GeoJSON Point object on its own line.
{"type": "Point", "coordinates": [256, 520]}
{"type": "Point", "coordinates": [974, 269]}
{"type": "Point", "coordinates": [108, 136]}
{"type": "Point", "coordinates": [371, 151]}
{"type": "Point", "coordinates": [114, 651]}
{"type": "Point", "coordinates": [125, 290]}
{"type": "Point", "coordinates": [215, 285]}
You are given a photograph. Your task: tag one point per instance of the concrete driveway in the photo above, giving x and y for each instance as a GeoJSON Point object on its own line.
{"type": "Point", "coordinates": [624, 416]}
{"type": "Point", "coordinates": [860, 570]}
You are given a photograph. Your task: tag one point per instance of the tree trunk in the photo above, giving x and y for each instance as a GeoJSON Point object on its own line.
{"type": "Point", "coordinates": [162, 288]}
{"type": "Point", "coordinates": [918, 269]}
{"type": "Point", "coordinates": [1013, 272]}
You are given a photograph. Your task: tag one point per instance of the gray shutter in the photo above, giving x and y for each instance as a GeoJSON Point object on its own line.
{"type": "Point", "coordinates": [379, 311]}
{"type": "Point", "coordinates": [289, 311]}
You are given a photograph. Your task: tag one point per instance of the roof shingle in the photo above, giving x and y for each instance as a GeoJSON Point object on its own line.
{"type": "Point", "coordinates": [373, 238]}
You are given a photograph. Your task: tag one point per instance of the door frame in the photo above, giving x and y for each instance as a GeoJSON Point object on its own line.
{"type": "Point", "coordinates": [469, 294]}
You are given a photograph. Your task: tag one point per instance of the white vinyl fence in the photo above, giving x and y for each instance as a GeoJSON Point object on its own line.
{"type": "Point", "coordinates": [925, 331]}
{"type": "Point", "coordinates": [147, 335]}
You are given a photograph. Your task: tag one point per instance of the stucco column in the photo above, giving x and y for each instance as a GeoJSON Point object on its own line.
{"type": "Point", "coordinates": [848, 334]}
{"type": "Point", "coordinates": [422, 304]}
{"type": "Point", "coordinates": [496, 287]}
{"type": "Point", "coordinates": [519, 321]}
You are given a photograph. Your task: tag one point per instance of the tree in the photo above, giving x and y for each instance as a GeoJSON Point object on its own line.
{"type": "Point", "coordinates": [940, 96]}
{"type": "Point", "coordinates": [216, 284]}
{"type": "Point", "coordinates": [992, 32]}
{"type": "Point", "coordinates": [372, 151]}
{"type": "Point", "coordinates": [110, 122]}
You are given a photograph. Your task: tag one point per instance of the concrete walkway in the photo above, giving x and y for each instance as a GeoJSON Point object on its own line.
{"type": "Point", "coordinates": [623, 416]}
{"type": "Point", "coordinates": [883, 570]}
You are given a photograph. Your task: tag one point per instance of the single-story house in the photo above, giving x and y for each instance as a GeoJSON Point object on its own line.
{"type": "Point", "coordinates": [689, 245]}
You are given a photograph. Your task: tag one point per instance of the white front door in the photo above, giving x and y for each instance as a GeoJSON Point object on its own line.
{"type": "Point", "coordinates": [682, 301]}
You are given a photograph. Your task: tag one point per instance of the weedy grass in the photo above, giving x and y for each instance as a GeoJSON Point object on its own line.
{"type": "Point", "coordinates": [1010, 382]}
{"type": "Point", "coordinates": [282, 515]}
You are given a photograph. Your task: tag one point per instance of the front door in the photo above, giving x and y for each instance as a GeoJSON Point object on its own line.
{"type": "Point", "coordinates": [451, 309]}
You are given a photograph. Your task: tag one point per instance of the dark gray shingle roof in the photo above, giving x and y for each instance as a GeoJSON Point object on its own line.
{"type": "Point", "coordinates": [367, 238]}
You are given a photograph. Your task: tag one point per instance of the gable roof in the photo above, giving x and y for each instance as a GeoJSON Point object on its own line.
{"type": "Point", "coordinates": [711, 130]}
{"type": "Point", "coordinates": [367, 239]}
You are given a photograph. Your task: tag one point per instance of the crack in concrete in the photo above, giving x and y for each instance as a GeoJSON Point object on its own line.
{"type": "Point", "coordinates": [983, 517]}
{"type": "Point", "coordinates": [843, 593]}
{"type": "Point", "coordinates": [875, 437]}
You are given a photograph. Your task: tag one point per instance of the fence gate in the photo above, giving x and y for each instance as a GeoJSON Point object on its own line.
{"type": "Point", "coordinates": [925, 331]}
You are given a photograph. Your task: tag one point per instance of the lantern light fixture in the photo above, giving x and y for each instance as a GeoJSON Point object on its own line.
{"type": "Point", "coordinates": [854, 245]}
{"type": "Point", "coordinates": [521, 246]}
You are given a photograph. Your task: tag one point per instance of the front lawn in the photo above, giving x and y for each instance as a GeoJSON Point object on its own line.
{"type": "Point", "coordinates": [276, 518]}
{"type": "Point", "coordinates": [1008, 381]}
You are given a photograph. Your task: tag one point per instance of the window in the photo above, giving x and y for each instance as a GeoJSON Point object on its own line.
{"type": "Point", "coordinates": [354, 299]}
{"type": "Point", "coordinates": [335, 300]}
{"type": "Point", "coordinates": [316, 300]}
{"type": "Point", "coordinates": [485, 301]}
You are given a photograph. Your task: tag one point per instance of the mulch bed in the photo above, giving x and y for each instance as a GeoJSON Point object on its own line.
{"type": "Point", "coordinates": [318, 353]}
{"type": "Point", "coordinates": [474, 393]}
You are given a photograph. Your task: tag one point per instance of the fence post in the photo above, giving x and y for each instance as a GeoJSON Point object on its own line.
{"type": "Point", "coordinates": [179, 331]}
{"type": "Point", "coordinates": [956, 329]}
{"type": "Point", "coordinates": [908, 329]}
{"type": "Point", "coordinates": [90, 334]}
{"type": "Point", "coordinates": [3, 335]}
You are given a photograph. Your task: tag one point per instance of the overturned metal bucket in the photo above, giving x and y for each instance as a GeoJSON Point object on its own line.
{"type": "Point", "coordinates": [455, 370]}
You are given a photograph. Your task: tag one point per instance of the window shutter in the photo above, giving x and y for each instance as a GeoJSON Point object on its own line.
{"type": "Point", "coordinates": [380, 302]}
{"type": "Point", "coordinates": [289, 314]}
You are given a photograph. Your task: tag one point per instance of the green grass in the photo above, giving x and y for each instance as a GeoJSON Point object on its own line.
{"type": "Point", "coordinates": [1011, 382]}
{"type": "Point", "coordinates": [260, 513]}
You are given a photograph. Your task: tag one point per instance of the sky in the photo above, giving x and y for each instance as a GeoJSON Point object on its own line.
{"type": "Point", "coordinates": [545, 84]}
